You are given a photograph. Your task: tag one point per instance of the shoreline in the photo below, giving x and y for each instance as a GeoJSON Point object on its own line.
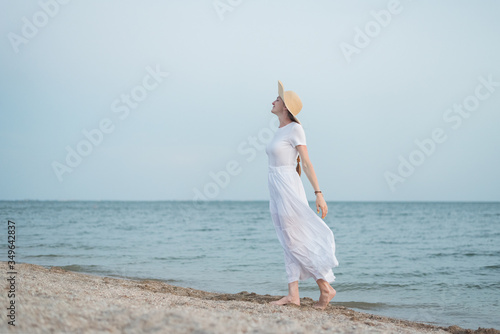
{"type": "Point", "coordinates": [56, 300]}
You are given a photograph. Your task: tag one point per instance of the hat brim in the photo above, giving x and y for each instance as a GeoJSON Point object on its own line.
{"type": "Point", "coordinates": [281, 93]}
{"type": "Point", "coordinates": [281, 90]}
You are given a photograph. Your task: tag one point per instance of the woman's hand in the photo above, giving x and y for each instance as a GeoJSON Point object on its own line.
{"type": "Point", "coordinates": [321, 204]}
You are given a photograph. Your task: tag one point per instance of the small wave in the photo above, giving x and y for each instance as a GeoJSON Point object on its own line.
{"type": "Point", "coordinates": [51, 245]}
{"type": "Point", "coordinates": [486, 286]}
{"type": "Point", "coordinates": [175, 258]}
{"type": "Point", "coordinates": [458, 254]}
{"type": "Point", "coordinates": [84, 247]}
{"type": "Point", "coordinates": [206, 229]}
{"type": "Point", "coordinates": [364, 305]}
{"type": "Point", "coordinates": [97, 270]}
{"type": "Point", "coordinates": [231, 270]}
{"type": "Point", "coordinates": [496, 266]}
{"type": "Point", "coordinates": [368, 286]}
{"type": "Point", "coordinates": [472, 254]}
{"type": "Point", "coordinates": [491, 214]}
{"type": "Point", "coordinates": [81, 268]}
{"type": "Point", "coordinates": [48, 255]}
{"type": "Point", "coordinates": [384, 214]}
{"type": "Point", "coordinates": [87, 269]}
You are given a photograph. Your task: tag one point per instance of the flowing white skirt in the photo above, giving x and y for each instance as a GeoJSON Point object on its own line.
{"type": "Point", "coordinates": [308, 243]}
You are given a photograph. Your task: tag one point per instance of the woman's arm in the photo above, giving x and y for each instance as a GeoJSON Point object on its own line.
{"type": "Point", "coordinates": [308, 168]}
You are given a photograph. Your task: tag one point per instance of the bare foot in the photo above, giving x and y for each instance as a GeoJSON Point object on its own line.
{"type": "Point", "coordinates": [287, 300]}
{"type": "Point", "coordinates": [324, 298]}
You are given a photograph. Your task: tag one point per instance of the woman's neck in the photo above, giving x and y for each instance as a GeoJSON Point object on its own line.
{"type": "Point", "coordinates": [284, 120]}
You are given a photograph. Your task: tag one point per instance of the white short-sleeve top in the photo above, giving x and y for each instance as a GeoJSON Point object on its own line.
{"type": "Point", "coordinates": [281, 150]}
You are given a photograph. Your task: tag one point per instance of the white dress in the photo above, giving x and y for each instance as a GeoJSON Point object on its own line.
{"type": "Point", "coordinates": [308, 243]}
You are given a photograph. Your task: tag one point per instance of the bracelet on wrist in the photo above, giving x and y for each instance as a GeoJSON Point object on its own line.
{"type": "Point", "coordinates": [318, 192]}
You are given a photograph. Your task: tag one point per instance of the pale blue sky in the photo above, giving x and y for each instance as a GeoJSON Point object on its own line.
{"type": "Point", "coordinates": [361, 112]}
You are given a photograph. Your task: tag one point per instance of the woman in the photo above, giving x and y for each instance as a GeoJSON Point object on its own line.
{"type": "Point", "coordinates": [308, 243]}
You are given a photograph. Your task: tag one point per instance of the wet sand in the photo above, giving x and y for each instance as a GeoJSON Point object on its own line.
{"type": "Point", "coordinates": [58, 301]}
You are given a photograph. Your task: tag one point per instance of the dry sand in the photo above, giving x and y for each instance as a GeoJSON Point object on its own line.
{"type": "Point", "coordinates": [58, 301]}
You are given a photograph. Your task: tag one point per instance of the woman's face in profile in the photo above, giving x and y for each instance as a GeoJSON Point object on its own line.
{"type": "Point", "coordinates": [277, 105]}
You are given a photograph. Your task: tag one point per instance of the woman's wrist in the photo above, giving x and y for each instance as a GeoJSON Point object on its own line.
{"type": "Point", "coordinates": [317, 192]}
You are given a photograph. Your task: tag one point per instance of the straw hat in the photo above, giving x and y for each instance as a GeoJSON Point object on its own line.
{"type": "Point", "coordinates": [291, 100]}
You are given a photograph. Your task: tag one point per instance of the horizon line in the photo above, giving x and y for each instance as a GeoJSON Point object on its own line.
{"type": "Point", "coordinates": [245, 200]}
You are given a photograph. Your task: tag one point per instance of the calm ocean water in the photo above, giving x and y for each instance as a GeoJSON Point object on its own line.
{"type": "Point", "coordinates": [432, 262]}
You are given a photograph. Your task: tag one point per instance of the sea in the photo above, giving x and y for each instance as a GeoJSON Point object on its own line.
{"type": "Point", "coordinates": [436, 262]}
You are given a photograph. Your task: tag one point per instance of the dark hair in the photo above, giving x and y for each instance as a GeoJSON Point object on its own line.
{"type": "Point", "coordinates": [298, 165]}
{"type": "Point", "coordinates": [290, 115]}
{"type": "Point", "coordinates": [292, 118]}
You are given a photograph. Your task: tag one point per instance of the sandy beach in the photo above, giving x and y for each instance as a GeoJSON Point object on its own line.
{"type": "Point", "coordinates": [53, 300]}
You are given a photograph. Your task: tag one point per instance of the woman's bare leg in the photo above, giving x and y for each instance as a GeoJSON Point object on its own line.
{"type": "Point", "coordinates": [327, 294]}
{"type": "Point", "coordinates": [293, 295]}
